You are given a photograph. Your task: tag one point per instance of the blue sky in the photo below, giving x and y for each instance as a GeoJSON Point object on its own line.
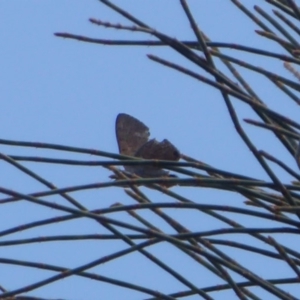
{"type": "Point", "coordinates": [62, 91]}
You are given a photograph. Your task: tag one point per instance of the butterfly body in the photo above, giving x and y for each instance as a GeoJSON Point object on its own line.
{"type": "Point", "coordinates": [133, 140]}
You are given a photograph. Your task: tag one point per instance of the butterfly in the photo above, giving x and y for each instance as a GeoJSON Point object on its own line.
{"type": "Point", "coordinates": [133, 140]}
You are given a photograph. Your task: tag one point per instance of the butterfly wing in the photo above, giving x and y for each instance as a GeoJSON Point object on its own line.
{"type": "Point", "coordinates": [153, 149]}
{"type": "Point", "coordinates": [131, 134]}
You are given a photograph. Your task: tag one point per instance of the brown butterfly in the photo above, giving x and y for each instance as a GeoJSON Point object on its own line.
{"type": "Point", "coordinates": [133, 140]}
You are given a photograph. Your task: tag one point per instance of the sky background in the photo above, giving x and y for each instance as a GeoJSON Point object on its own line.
{"type": "Point", "coordinates": [61, 91]}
